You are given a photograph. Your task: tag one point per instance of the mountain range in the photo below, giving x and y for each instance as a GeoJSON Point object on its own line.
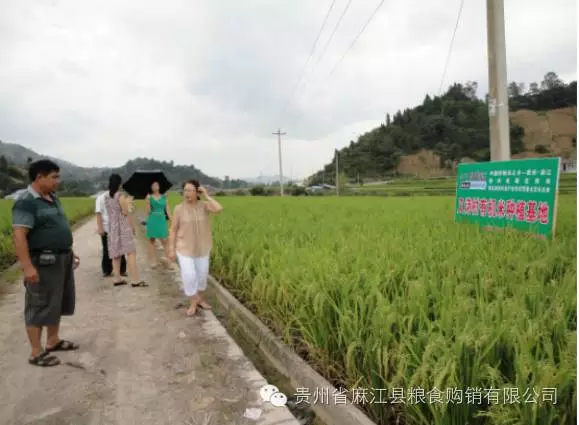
{"type": "Point", "coordinates": [79, 179]}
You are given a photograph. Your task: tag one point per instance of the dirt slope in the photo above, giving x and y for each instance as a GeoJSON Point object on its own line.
{"type": "Point", "coordinates": [553, 129]}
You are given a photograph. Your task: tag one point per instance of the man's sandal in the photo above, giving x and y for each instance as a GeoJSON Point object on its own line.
{"type": "Point", "coordinates": [44, 360]}
{"type": "Point", "coordinates": [63, 345]}
{"type": "Point", "coordinates": [140, 283]}
{"type": "Point", "coordinates": [120, 282]}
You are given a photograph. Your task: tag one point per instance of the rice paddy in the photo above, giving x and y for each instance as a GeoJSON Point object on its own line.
{"type": "Point", "coordinates": [421, 320]}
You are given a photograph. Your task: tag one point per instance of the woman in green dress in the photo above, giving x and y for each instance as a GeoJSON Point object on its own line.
{"type": "Point", "coordinates": [158, 212]}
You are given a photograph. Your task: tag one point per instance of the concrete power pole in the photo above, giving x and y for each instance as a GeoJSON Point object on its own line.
{"type": "Point", "coordinates": [279, 134]}
{"type": "Point", "coordinates": [337, 175]}
{"type": "Point", "coordinates": [498, 98]}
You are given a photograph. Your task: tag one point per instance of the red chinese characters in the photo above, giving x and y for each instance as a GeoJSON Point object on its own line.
{"type": "Point", "coordinates": [492, 208]}
{"type": "Point", "coordinates": [520, 210]}
{"type": "Point", "coordinates": [460, 205]}
{"type": "Point", "coordinates": [483, 207]}
{"type": "Point", "coordinates": [474, 206]}
{"type": "Point", "coordinates": [543, 212]}
{"type": "Point", "coordinates": [531, 216]}
{"type": "Point", "coordinates": [511, 208]}
{"type": "Point", "coordinates": [501, 208]}
{"type": "Point", "coordinates": [467, 205]}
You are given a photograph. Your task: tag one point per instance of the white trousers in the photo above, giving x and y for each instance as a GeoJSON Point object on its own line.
{"type": "Point", "coordinates": [194, 273]}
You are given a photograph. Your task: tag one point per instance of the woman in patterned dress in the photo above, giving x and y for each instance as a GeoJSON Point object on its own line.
{"type": "Point", "coordinates": [121, 235]}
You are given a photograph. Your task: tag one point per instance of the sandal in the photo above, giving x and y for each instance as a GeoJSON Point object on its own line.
{"type": "Point", "coordinates": [120, 282]}
{"type": "Point", "coordinates": [63, 345]}
{"type": "Point", "coordinates": [189, 314]}
{"type": "Point", "coordinates": [140, 283]}
{"type": "Point", "coordinates": [44, 360]}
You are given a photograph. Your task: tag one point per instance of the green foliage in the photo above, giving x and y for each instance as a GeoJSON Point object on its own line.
{"type": "Point", "coordinates": [389, 293]}
{"type": "Point", "coordinates": [552, 93]}
{"type": "Point", "coordinates": [453, 126]}
{"type": "Point", "coordinates": [12, 177]}
{"type": "Point", "coordinates": [175, 173]}
{"type": "Point", "coordinates": [260, 190]}
{"type": "Point", "coordinates": [298, 191]}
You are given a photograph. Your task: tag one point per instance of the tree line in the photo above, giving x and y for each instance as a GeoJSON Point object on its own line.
{"type": "Point", "coordinates": [453, 126]}
{"type": "Point", "coordinates": [175, 173]}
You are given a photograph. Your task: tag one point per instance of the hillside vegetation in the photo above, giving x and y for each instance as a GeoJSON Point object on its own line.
{"type": "Point", "coordinates": [12, 177]}
{"type": "Point", "coordinates": [175, 173]}
{"type": "Point", "coordinates": [81, 181]}
{"type": "Point", "coordinates": [430, 139]}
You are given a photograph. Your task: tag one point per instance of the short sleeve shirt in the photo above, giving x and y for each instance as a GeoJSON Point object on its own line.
{"type": "Point", "coordinates": [193, 238]}
{"type": "Point", "coordinates": [46, 220]}
{"type": "Point", "coordinates": [100, 208]}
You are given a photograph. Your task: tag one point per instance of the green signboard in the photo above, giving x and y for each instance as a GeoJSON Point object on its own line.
{"type": "Point", "coordinates": [519, 194]}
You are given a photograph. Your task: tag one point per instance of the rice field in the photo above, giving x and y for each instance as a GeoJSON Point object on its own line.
{"type": "Point", "coordinates": [421, 320]}
{"type": "Point", "coordinates": [440, 186]}
{"type": "Point", "coordinates": [75, 209]}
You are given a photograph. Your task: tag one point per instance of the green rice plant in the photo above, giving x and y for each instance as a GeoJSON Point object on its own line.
{"type": "Point", "coordinates": [389, 294]}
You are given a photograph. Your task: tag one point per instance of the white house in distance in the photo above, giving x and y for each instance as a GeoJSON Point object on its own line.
{"type": "Point", "coordinates": [15, 195]}
{"type": "Point", "coordinates": [568, 165]}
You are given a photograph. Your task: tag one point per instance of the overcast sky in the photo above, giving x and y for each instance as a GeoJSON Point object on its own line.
{"type": "Point", "coordinates": [205, 82]}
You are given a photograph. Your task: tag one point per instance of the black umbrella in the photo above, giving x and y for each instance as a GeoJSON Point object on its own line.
{"type": "Point", "coordinates": [139, 184]}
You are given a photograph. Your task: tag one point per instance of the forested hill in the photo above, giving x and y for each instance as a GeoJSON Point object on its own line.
{"type": "Point", "coordinates": [175, 173]}
{"type": "Point", "coordinates": [454, 127]}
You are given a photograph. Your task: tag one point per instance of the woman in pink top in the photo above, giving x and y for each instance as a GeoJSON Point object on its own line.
{"type": "Point", "coordinates": [190, 241]}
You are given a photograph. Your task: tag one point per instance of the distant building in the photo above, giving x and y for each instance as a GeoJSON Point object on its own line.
{"type": "Point", "coordinates": [15, 195]}
{"type": "Point", "coordinates": [320, 188]}
{"type": "Point", "coordinates": [96, 195]}
{"type": "Point", "coordinates": [568, 165]}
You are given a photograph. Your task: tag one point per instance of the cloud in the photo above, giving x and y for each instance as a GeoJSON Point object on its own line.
{"type": "Point", "coordinates": [206, 82]}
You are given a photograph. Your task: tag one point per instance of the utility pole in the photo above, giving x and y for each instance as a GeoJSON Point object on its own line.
{"type": "Point", "coordinates": [337, 175]}
{"type": "Point", "coordinates": [498, 97]}
{"type": "Point", "coordinates": [279, 134]}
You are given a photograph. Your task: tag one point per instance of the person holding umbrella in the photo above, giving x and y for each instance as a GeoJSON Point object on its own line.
{"type": "Point", "coordinates": [190, 241]}
{"type": "Point", "coordinates": [158, 212]}
{"type": "Point", "coordinates": [121, 236]}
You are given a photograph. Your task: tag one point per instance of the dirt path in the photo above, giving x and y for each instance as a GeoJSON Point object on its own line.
{"type": "Point", "coordinates": [141, 360]}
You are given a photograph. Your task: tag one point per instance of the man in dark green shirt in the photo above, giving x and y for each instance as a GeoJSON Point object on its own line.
{"type": "Point", "coordinates": [43, 241]}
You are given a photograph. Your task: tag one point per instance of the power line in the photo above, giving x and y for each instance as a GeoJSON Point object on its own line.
{"type": "Point", "coordinates": [332, 35]}
{"type": "Point", "coordinates": [358, 36]}
{"type": "Point", "coordinates": [309, 57]}
{"type": "Point", "coordinates": [350, 46]}
{"type": "Point", "coordinates": [333, 32]}
{"type": "Point", "coordinates": [450, 48]}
